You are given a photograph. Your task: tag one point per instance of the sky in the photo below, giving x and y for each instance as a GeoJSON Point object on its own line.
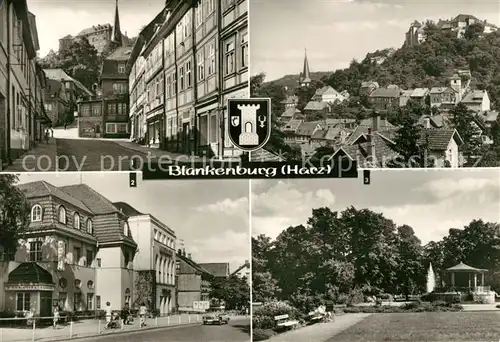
{"type": "Point", "coordinates": [336, 31]}
{"type": "Point", "coordinates": [430, 201]}
{"type": "Point", "coordinates": [58, 18]}
{"type": "Point", "coordinates": [210, 216]}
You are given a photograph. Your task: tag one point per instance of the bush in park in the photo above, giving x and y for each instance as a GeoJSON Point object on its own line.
{"type": "Point", "coordinates": [273, 309]}
{"type": "Point", "coordinates": [262, 334]}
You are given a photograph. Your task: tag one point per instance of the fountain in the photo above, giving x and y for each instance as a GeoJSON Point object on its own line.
{"type": "Point", "coordinates": [431, 279]}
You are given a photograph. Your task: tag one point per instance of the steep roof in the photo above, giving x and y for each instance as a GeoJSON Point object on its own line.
{"type": "Point", "coordinates": [92, 199]}
{"type": "Point", "coordinates": [438, 139]}
{"type": "Point", "coordinates": [290, 112]}
{"type": "Point", "coordinates": [42, 189]}
{"type": "Point", "coordinates": [127, 209]}
{"type": "Point", "coordinates": [307, 128]}
{"type": "Point", "coordinates": [474, 96]}
{"type": "Point", "coordinates": [197, 267]}
{"type": "Point", "coordinates": [385, 92]}
{"type": "Point", "coordinates": [461, 267]}
{"type": "Point", "coordinates": [384, 151]}
{"type": "Point", "coordinates": [59, 74]}
{"type": "Point", "coordinates": [383, 124]}
{"type": "Point", "coordinates": [245, 265]}
{"type": "Point", "coordinates": [306, 77]}
{"type": "Point", "coordinates": [217, 269]}
{"type": "Point", "coordinates": [316, 105]}
{"type": "Point", "coordinates": [292, 125]}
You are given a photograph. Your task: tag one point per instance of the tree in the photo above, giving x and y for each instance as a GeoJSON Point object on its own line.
{"type": "Point", "coordinates": [81, 61]}
{"type": "Point", "coordinates": [264, 286]}
{"type": "Point", "coordinates": [234, 292]}
{"type": "Point", "coordinates": [14, 213]}
{"type": "Point", "coordinates": [463, 120]}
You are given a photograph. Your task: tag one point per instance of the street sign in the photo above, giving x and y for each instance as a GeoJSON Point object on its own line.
{"type": "Point", "coordinates": [249, 123]}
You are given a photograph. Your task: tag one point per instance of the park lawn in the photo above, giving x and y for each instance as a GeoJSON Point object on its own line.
{"type": "Point", "coordinates": [425, 326]}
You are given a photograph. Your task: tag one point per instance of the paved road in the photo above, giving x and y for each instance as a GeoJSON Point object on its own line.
{"type": "Point", "coordinates": [94, 155]}
{"type": "Point", "coordinates": [235, 331]}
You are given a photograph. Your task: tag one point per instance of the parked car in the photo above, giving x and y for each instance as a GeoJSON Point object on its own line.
{"type": "Point", "coordinates": [215, 318]}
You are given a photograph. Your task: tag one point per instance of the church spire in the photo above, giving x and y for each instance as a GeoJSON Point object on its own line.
{"type": "Point", "coordinates": [305, 79]}
{"type": "Point", "coordinates": [116, 36]}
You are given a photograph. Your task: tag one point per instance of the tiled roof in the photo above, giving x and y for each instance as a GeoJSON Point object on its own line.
{"type": "Point", "coordinates": [464, 17]}
{"type": "Point", "coordinates": [327, 134]}
{"type": "Point", "coordinates": [197, 267]}
{"type": "Point", "coordinates": [437, 90]}
{"type": "Point", "coordinates": [42, 189]}
{"type": "Point", "coordinates": [335, 122]}
{"type": "Point", "coordinates": [59, 74]}
{"type": "Point", "coordinates": [326, 90]}
{"type": "Point", "coordinates": [419, 92]}
{"type": "Point", "coordinates": [438, 139]}
{"type": "Point", "coordinates": [292, 125]}
{"type": "Point", "coordinates": [127, 209]}
{"type": "Point", "coordinates": [94, 29]}
{"type": "Point", "coordinates": [369, 84]}
{"type": "Point", "coordinates": [290, 112]}
{"type": "Point", "coordinates": [217, 269]}
{"type": "Point", "coordinates": [316, 105]}
{"type": "Point", "coordinates": [290, 99]}
{"type": "Point", "coordinates": [437, 121]}
{"type": "Point", "coordinates": [97, 203]}
{"type": "Point", "coordinates": [474, 96]}
{"type": "Point", "coordinates": [383, 124]}
{"type": "Point", "coordinates": [385, 92]}
{"type": "Point", "coordinates": [120, 54]}
{"type": "Point", "coordinates": [384, 151]}
{"type": "Point", "coordinates": [306, 128]}
{"type": "Point", "coordinates": [263, 155]}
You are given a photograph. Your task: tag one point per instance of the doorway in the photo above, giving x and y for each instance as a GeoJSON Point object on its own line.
{"type": "Point", "coordinates": [45, 304]}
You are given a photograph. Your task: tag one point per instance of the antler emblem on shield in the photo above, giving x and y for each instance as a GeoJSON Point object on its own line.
{"type": "Point", "coordinates": [235, 121]}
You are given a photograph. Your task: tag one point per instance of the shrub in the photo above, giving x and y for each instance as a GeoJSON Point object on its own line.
{"type": "Point", "coordinates": [356, 296]}
{"type": "Point", "coordinates": [261, 334]}
{"type": "Point", "coordinates": [262, 322]}
{"type": "Point", "coordinates": [273, 309]}
{"type": "Point", "coordinates": [386, 297]}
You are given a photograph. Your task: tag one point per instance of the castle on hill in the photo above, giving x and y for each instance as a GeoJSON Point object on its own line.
{"type": "Point", "coordinates": [459, 24]}
{"type": "Point", "coordinates": [98, 36]}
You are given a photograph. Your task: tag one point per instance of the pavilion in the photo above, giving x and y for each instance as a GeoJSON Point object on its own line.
{"type": "Point", "coordinates": [466, 276]}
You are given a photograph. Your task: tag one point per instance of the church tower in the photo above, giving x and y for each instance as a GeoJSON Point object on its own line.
{"type": "Point", "coordinates": [116, 35]}
{"type": "Point", "coordinates": [305, 77]}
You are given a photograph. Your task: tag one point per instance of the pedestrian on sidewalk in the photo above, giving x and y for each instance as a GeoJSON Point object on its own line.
{"type": "Point", "coordinates": [56, 316]}
{"type": "Point", "coordinates": [47, 136]}
{"type": "Point", "coordinates": [143, 310]}
{"type": "Point", "coordinates": [109, 313]}
{"type": "Point", "coordinates": [51, 132]}
{"type": "Point", "coordinates": [126, 314]}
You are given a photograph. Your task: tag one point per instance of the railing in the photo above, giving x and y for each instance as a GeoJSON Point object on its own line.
{"type": "Point", "coordinates": [42, 328]}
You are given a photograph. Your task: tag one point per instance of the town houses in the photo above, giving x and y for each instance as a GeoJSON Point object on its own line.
{"type": "Point", "coordinates": [185, 65]}
{"type": "Point", "coordinates": [328, 119]}
{"type": "Point", "coordinates": [81, 250]}
{"type": "Point", "coordinates": [22, 83]}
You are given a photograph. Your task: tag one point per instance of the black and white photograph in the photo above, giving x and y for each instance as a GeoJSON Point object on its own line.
{"type": "Point", "coordinates": [99, 85]}
{"type": "Point", "coordinates": [388, 83]}
{"type": "Point", "coordinates": [414, 256]}
{"type": "Point", "coordinates": [85, 256]}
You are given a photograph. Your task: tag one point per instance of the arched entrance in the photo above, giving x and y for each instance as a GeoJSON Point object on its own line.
{"type": "Point", "coordinates": [30, 288]}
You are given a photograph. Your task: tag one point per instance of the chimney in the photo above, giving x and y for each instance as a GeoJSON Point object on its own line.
{"type": "Point", "coordinates": [189, 256]}
{"type": "Point", "coordinates": [184, 252]}
{"type": "Point", "coordinates": [376, 123]}
{"type": "Point", "coordinates": [179, 251]}
{"type": "Point", "coordinates": [247, 262]}
{"type": "Point", "coordinates": [427, 123]}
{"type": "Point", "coordinates": [371, 149]}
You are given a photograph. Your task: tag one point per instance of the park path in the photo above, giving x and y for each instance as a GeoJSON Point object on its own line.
{"type": "Point", "coordinates": [321, 332]}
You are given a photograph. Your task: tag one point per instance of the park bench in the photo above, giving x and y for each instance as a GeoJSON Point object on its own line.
{"type": "Point", "coordinates": [315, 316]}
{"type": "Point", "coordinates": [284, 322]}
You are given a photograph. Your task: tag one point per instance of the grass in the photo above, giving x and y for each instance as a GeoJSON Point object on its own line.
{"type": "Point", "coordinates": [425, 326]}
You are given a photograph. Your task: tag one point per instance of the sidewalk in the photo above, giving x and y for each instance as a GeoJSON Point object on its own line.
{"type": "Point", "coordinates": [41, 158]}
{"type": "Point", "coordinates": [321, 332]}
{"type": "Point", "coordinates": [89, 328]}
{"type": "Point", "coordinates": [155, 152]}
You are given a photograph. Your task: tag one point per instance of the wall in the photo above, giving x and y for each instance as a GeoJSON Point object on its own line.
{"type": "Point", "coordinates": [189, 290]}
{"type": "Point", "coordinates": [140, 228]}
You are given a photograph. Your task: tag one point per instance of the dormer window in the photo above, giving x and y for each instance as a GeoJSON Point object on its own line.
{"type": "Point", "coordinates": [76, 221]}
{"type": "Point", "coordinates": [36, 213]}
{"type": "Point", "coordinates": [62, 215]}
{"type": "Point", "coordinates": [90, 229]}
{"type": "Point", "coordinates": [121, 68]}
